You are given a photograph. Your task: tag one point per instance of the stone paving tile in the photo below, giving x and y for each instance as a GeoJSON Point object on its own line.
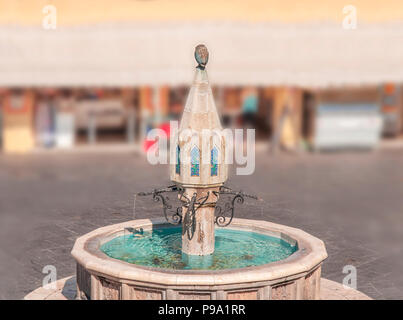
{"type": "Point", "coordinates": [350, 200]}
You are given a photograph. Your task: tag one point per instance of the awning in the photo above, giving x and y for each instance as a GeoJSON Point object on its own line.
{"type": "Point", "coordinates": [241, 53]}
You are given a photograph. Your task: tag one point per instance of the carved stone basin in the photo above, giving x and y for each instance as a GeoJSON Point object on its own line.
{"type": "Point", "coordinates": [296, 277]}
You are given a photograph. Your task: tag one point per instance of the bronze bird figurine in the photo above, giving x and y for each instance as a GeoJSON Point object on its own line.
{"type": "Point", "coordinates": [201, 56]}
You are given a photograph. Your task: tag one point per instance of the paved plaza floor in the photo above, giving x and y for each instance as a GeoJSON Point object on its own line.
{"type": "Point", "coordinates": [353, 201]}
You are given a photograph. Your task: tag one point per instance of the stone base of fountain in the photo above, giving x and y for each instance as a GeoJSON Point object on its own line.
{"type": "Point", "coordinates": [296, 277]}
{"type": "Point", "coordinates": [65, 289]}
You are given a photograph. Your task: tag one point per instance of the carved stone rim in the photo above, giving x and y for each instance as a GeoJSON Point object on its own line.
{"type": "Point", "coordinates": [311, 253]}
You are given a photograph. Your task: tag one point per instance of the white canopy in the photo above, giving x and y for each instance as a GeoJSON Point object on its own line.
{"type": "Point", "coordinates": [311, 55]}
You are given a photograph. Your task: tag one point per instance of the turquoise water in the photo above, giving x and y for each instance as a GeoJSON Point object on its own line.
{"type": "Point", "coordinates": [161, 248]}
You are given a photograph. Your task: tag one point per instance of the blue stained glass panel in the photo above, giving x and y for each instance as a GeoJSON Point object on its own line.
{"type": "Point", "coordinates": [178, 160]}
{"type": "Point", "coordinates": [214, 161]}
{"type": "Point", "coordinates": [195, 162]}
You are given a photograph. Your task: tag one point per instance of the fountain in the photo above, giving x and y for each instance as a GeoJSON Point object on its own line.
{"type": "Point", "coordinates": [198, 250]}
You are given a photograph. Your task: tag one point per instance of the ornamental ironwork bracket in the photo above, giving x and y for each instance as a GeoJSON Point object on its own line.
{"type": "Point", "coordinates": [229, 206]}
{"type": "Point", "coordinates": [175, 216]}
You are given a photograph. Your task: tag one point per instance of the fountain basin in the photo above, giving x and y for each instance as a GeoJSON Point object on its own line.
{"type": "Point", "coordinates": [295, 277]}
{"type": "Point", "coordinates": [162, 248]}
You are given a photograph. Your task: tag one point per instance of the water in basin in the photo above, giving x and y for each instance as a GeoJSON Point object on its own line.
{"type": "Point", "coordinates": [161, 248]}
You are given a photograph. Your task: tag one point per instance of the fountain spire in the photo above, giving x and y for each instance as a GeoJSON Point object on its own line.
{"type": "Point", "coordinates": [199, 171]}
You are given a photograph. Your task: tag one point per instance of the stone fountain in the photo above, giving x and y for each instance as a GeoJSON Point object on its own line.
{"type": "Point", "coordinates": [198, 250]}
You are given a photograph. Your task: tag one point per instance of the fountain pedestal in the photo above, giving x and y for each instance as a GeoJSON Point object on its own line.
{"type": "Point", "coordinates": [199, 241]}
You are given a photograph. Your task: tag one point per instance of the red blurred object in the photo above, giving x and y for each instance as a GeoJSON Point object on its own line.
{"type": "Point", "coordinates": [166, 128]}
{"type": "Point", "coordinates": [148, 143]}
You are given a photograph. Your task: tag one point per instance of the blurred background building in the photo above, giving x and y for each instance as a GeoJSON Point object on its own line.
{"type": "Point", "coordinates": [112, 70]}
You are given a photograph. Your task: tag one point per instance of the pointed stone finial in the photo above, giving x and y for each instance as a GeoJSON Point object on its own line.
{"type": "Point", "coordinates": [201, 56]}
{"type": "Point", "coordinates": [200, 145]}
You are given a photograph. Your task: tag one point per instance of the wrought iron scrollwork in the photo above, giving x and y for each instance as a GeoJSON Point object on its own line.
{"type": "Point", "coordinates": [221, 218]}
{"type": "Point", "coordinates": [172, 216]}
{"type": "Point", "coordinates": [188, 218]}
